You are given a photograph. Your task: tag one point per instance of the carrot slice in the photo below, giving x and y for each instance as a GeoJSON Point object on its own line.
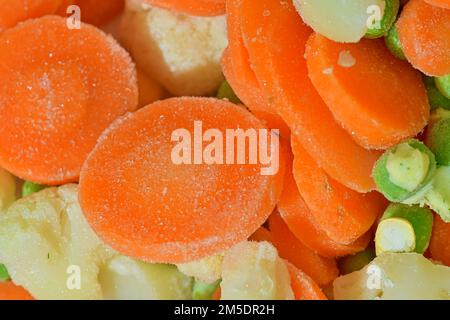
{"type": "Point", "coordinates": [9, 291]}
{"type": "Point", "coordinates": [376, 97]}
{"type": "Point", "coordinates": [424, 31]}
{"type": "Point", "coordinates": [322, 270]}
{"type": "Point", "coordinates": [262, 234]}
{"type": "Point", "coordinates": [439, 244]}
{"type": "Point", "coordinates": [73, 84]}
{"type": "Point", "coordinates": [193, 7]}
{"type": "Point", "coordinates": [300, 221]}
{"type": "Point", "coordinates": [277, 55]}
{"type": "Point", "coordinates": [343, 214]}
{"type": "Point", "coordinates": [145, 205]}
{"type": "Point", "coordinates": [440, 3]}
{"type": "Point", "coordinates": [15, 11]}
{"type": "Point", "coordinates": [98, 12]}
{"type": "Point", "coordinates": [303, 286]}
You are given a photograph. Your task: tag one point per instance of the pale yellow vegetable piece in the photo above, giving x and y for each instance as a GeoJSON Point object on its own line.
{"type": "Point", "coordinates": [7, 189]}
{"type": "Point", "coordinates": [207, 270]}
{"type": "Point", "coordinates": [395, 235]}
{"type": "Point", "coordinates": [254, 271]}
{"type": "Point", "coordinates": [396, 276]}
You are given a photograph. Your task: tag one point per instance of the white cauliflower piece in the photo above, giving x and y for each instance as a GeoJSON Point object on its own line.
{"type": "Point", "coordinates": [207, 270]}
{"type": "Point", "coordinates": [181, 52]}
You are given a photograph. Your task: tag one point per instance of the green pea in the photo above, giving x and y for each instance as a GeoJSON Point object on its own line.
{"type": "Point", "coordinates": [4, 275]}
{"type": "Point", "coordinates": [436, 98]}
{"type": "Point", "coordinates": [226, 92]}
{"type": "Point", "coordinates": [29, 188]}
{"type": "Point", "coordinates": [438, 139]}
{"type": "Point", "coordinates": [421, 219]}
{"type": "Point", "coordinates": [403, 173]}
{"type": "Point", "coordinates": [356, 262]}
{"type": "Point", "coordinates": [438, 198]}
{"type": "Point", "coordinates": [390, 15]}
{"type": "Point", "coordinates": [443, 85]}
{"type": "Point", "coordinates": [204, 291]}
{"type": "Point", "coordinates": [393, 43]}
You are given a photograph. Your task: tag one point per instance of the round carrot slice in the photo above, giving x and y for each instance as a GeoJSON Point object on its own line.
{"type": "Point", "coordinates": [440, 3]}
{"type": "Point", "coordinates": [424, 31]}
{"type": "Point", "coordinates": [322, 270]}
{"type": "Point", "coordinates": [9, 291]}
{"type": "Point", "coordinates": [143, 196]}
{"type": "Point", "coordinates": [15, 11]}
{"type": "Point", "coordinates": [376, 97]}
{"type": "Point", "coordinates": [60, 89]}
{"type": "Point", "coordinates": [303, 286]}
{"type": "Point", "coordinates": [98, 12]}
{"type": "Point", "coordinates": [277, 54]}
{"type": "Point", "coordinates": [193, 7]}
{"type": "Point", "coordinates": [300, 221]}
{"type": "Point", "coordinates": [343, 214]}
{"type": "Point", "coordinates": [439, 248]}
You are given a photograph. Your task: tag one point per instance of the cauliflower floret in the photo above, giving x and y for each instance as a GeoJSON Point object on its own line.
{"type": "Point", "coordinates": [207, 270]}
{"type": "Point", "coordinates": [182, 52]}
{"type": "Point", "coordinates": [7, 189]}
{"type": "Point", "coordinates": [254, 271]}
{"type": "Point", "coordinates": [396, 276]}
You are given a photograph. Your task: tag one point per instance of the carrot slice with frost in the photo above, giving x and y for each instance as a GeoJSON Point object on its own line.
{"type": "Point", "coordinates": [322, 270]}
{"type": "Point", "coordinates": [300, 221]}
{"type": "Point", "coordinates": [424, 31]}
{"type": "Point", "coordinates": [193, 7]}
{"type": "Point", "coordinates": [73, 85]}
{"type": "Point", "coordinates": [98, 12]}
{"type": "Point", "coordinates": [439, 245]}
{"type": "Point", "coordinates": [440, 3]}
{"type": "Point", "coordinates": [9, 291]}
{"type": "Point", "coordinates": [376, 97]}
{"type": "Point", "coordinates": [343, 214]}
{"type": "Point", "coordinates": [262, 234]}
{"type": "Point", "coordinates": [303, 286]}
{"type": "Point", "coordinates": [143, 204]}
{"type": "Point", "coordinates": [277, 55]}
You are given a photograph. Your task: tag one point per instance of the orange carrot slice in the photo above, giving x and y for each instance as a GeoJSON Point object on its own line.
{"type": "Point", "coordinates": [439, 245]}
{"type": "Point", "coordinates": [322, 270]}
{"type": "Point", "coordinates": [376, 97]}
{"type": "Point", "coordinates": [15, 11]}
{"type": "Point", "coordinates": [145, 205]}
{"type": "Point", "coordinates": [192, 7]}
{"type": "Point", "coordinates": [64, 5]}
{"type": "Point", "coordinates": [440, 3]}
{"type": "Point", "coordinates": [303, 286]}
{"type": "Point", "coordinates": [424, 32]}
{"type": "Point", "coordinates": [262, 234]}
{"type": "Point", "coordinates": [60, 89]}
{"type": "Point", "coordinates": [98, 12]}
{"type": "Point", "coordinates": [277, 55]}
{"type": "Point", "coordinates": [300, 221]}
{"type": "Point", "coordinates": [9, 291]}
{"type": "Point", "coordinates": [343, 214]}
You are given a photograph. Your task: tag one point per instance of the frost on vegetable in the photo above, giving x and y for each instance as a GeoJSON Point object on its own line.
{"type": "Point", "coordinates": [7, 189]}
{"type": "Point", "coordinates": [182, 52]}
{"type": "Point", "coordinates": [341, 20]}
{"type": "Point", "coordinates": [395, 276]}
{"type": "Point", "coordinates": [254, 271]}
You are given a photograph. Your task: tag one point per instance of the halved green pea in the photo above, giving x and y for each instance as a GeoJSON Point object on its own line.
{"type": "Point", "coordinates": [438, 198]}
{"type": "Point", "coordinates": [443, 85]}
{"type": "Point", "coordinates": [438, 140]}
{"type": "Point", "coordinates": [390, 15]}
{"type": "Point", "coordinates": [404, 171]}
{"type": "Point", "coordinates": [29, 188]}
{"type": "Point", "coordinates": [204, 291]}
{"type": "Point", "coordinates": [356, 262]}
{"type": "Point", "coordinates": [421, 219]}
{"type": "Point", "coordinates": [4, 275]}
{"type": "Point", "coordinates": [227, 92]}
{"type": "Point", "coordinates": [435, 97]}
{"type": "Point", "coordinates": [393, 43]}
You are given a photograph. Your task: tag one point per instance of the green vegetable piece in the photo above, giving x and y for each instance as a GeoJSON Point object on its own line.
{"type": "Point", "coordinates": [226, 92]}
{"type": "Point", "coordinates": [438, 198]}
{"type": "Point", "coordinates": [4, 275]}
{"type": "Point", "coordinates": [204, 291]}
{"type": "Point", "coordinates": [421, 219]}
{"type": "Point", "coordinates": [436, 98]}
{"type": "Point", "coordinates": [443, 85]}
{"type": "Point", "coordinates": [438, 140]}
{"type": "Point", "coordinates": [356, 262]}
{"type": "Point", "coordinates": [404, 172]}
{"type": "Point", "coordinates": [393, 43]}
{"type": "Point", "coordinates": [29, 188]}
{"type": "Point", "coordinates": [390, 15]}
